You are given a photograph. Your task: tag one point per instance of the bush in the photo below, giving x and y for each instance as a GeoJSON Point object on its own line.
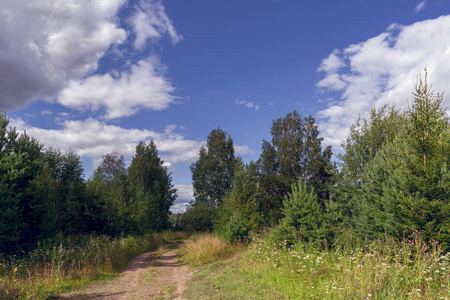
{"type": "Point", "coordinates": [235, 229]}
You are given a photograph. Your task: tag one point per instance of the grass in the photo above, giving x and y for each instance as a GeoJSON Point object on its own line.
{"type": "Point", "coordinates": [202, 249]}
{"type": "Point", "coordinates": [383, 269]}
{"type": "Point", "coordinates": [76, 261]}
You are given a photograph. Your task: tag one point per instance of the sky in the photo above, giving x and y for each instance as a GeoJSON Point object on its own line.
{"type": "Point", "coordinates": [102, 75]}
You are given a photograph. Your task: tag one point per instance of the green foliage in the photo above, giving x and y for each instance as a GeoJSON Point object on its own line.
{"type": "Point", "coordinates": [197, 218]}
{"type": "Point", "coordinates": [235, 229]}
{"type": "Point", "coordinates": [212, 174]}
{"type": "Point", "coordinates": [306, 219]}
{"type": "Point", "coordinates": [404, 187]}
{"type": "Point", "coordinates": [302, 216]}
{"type": "Point", "coordinates": [152, 189]}
{"type": "Point", "coordinates": [366, 137]}
{"type": "Point", "coordinates": [295, 153]}
{"type": "Point", "coordinates": [21, 204]}
{"type": "Point", "coordinates": [245, 200]}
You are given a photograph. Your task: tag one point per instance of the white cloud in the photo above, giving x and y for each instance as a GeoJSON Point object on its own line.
{"type": "Point", "coordinates": [185, 195]}
{"type": "Point", "coordinates": [420, 6]}
{"type": "Point", "coordinates": [52, 47]}
{"type": "Point", "coordinates": [44, 42]}
{"type": "Point", "coordinates": [150, 21]}
{"type": "Point", "coordinates": [248, 104]}
{"type": "Point", "coordinates": [383, 70]}
{"type": "Point", "coordinates": [242, 149]}
{"type": "Point", "coordinates": [123, 94]}
{"type": "Point", "coordinates": [92, 138]}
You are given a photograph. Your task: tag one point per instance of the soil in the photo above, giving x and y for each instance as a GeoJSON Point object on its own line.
{"type": "Point", "coordinates": [147, 277]}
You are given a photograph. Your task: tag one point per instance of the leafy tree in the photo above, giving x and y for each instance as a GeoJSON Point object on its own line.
{"type": "Point", "coordinates": [152, 188]}
{"type": "Point", "coordinates": [246, 202]}
{"type": "Point", "coordinates": [198, 217]}
{"type": "Point", "coordinates": [212, 174]}
{"type": "Point", "coordinates": [67, 191]}
{"type": "Point", "coordinates": [109, 190]}
{"type": "Point", "coordinates": [112, 165]}
{"type": "Point", "coordinates": [365, 139]}
{"type": "Point", "coordinates": [294, 153]}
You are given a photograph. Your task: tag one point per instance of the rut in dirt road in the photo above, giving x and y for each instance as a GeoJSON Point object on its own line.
{"type": "Point", "coordinates": [163, 278]}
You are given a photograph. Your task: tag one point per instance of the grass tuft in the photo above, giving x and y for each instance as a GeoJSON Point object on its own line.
{"type": "Point", "coordinates": [205, 248]}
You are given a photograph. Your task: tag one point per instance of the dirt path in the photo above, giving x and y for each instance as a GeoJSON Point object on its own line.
{"type": "Point", "coordinates": [160, 278]}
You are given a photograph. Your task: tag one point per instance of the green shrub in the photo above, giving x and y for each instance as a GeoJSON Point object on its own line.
{"type": "Point", "coordinates": [235, 229]}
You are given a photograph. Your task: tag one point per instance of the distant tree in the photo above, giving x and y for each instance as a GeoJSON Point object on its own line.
{"type": "Point", "coordinates": [108, 191]}
{"type": "Point", "coordinates": [152, 188]}
{"type": "Point", "coordinates": [212, 173]}
{"type": "Point", "coordinates": [197, 218]}
{"type": "Point", "coordinates": [112, 165]}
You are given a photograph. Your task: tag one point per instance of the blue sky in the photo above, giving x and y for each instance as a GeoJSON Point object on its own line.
{"type": "Point", "coordinates": [99, 76]}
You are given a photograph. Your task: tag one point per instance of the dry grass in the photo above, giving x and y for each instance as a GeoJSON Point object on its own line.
{"type": "Point", "coordinates": [206, 248]}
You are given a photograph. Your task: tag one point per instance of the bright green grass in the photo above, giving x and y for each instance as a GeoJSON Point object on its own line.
{"type": "Point", "coordinates": [384, 269]}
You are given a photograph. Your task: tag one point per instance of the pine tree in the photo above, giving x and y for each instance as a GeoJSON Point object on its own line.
{"type": "Point", "coordinates": [404, 187]}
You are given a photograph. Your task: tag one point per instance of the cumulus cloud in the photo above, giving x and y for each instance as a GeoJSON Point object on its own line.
{"type": "Point", "coordinates": [60, 39]}
{"type": "Point", "coordinates": [91, 138]}
{"type": "Point", "coordinates": [56, 51]}
{"type": "Point", "coordinates": [248, 104]}
{"type": "Point", "coordinates": [382, 70]}
{"type": "Point", "coordinates": [121, 94]}
{"type": "Point", "coordinates": [150, 21]}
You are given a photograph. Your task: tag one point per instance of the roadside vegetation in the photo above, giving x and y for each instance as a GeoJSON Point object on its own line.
{"type": "Point", "coordinates": [352, 269]}
{"type": "Point", "coordinates": [56, 267]}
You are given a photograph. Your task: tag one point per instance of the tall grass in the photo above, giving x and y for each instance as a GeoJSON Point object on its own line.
{"type": "Point", "coordinates": [384, 269]}
{"type": "Point", "coordinates": [206, 248]}
{"type": "Point", "coordinates": [52, 269]}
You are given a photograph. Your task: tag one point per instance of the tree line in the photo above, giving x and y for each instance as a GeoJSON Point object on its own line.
{"type": "Point", "coordinates": [43, 192]}
{"type": "Point", "coordinates": [392, 178]}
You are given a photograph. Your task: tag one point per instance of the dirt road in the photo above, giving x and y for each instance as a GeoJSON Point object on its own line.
{"type": "Point", "coordinates": [160, 278]}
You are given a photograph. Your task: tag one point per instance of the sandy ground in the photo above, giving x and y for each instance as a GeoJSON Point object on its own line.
{"type": "Point", "coordinates": [159, 278]}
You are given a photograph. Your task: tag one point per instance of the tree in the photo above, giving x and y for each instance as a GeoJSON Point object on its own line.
{"type": "Point", "coordinates": [112, 165]}
{"type": "Point", "coordinates": [67, 191]}
{"type": "Point", "coordinates": [294, 153]}
{"type": "Point", "coordinates": [404, 188]}
{"type": "Point", "coordinates": [152, 189]}
{"type": "Point", "coordinates": [245, 203]}
{"type": "Point", "coordinates": [212, 173]}
{"type": "Point", "coordinates": [366, 138]}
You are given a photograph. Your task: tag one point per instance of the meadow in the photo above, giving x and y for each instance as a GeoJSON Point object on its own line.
{"type": "Point", "coordinates": [65, 263]}
{"type": "Point", "coordinates": [352, 269]}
